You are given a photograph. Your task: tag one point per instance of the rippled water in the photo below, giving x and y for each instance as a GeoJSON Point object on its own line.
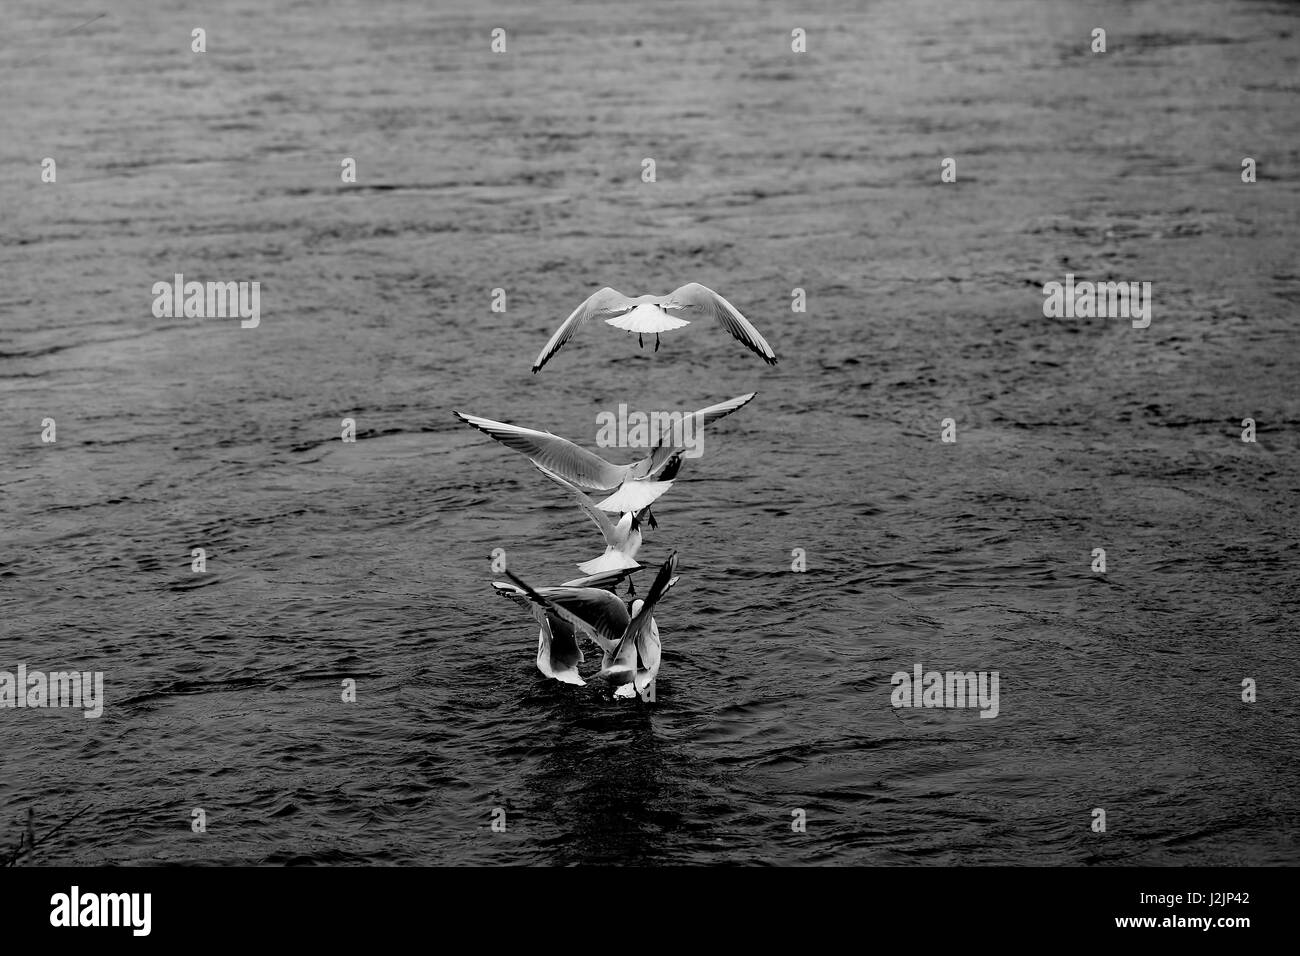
{"type": "Point", "coordinates": [371, 560]}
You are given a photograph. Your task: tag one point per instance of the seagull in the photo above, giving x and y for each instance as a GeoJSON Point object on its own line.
{"type": "Point", "coordinates": [558, 653]}
{"type": "Point", "coordinates": [629, 637]}
{"type": "Point", "coordinates": [656, 313]}
{"type": "Point", "coordinates": [622, 540]}
{"type": "Point", "coordinates": [635, 489]}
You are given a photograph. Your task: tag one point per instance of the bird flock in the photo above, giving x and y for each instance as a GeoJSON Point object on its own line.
{"type": "Point", "coordinates": [589, 606]}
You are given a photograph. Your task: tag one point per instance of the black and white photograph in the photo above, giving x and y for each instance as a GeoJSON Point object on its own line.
{"type": "Point", "coordinates": [848, 435]}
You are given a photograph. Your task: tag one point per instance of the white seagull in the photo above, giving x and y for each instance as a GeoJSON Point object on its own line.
{"type": "Point", "coordinates": [629, 638]}
{"type": "Point", "coordinates": [622, 540]}
{"type": "Point", "coordinates": [647, 314]}
{"type": "Point", "coordinates": [558, 653]}
{"type": "Point", "coordinates": [635, 488]}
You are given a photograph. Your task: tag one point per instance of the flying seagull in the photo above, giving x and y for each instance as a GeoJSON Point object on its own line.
{"type": "Point", "coordinates": [629, 638]}
{"type": "Point", "coordinates": [647, 314]}
{"type": "Point", "coordinates": [622, 540]}
{"type": "Point", "coordinates": [635, 489]}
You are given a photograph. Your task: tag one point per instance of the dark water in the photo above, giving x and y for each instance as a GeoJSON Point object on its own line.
{"type": "Point", "coordinates": [370, 560]}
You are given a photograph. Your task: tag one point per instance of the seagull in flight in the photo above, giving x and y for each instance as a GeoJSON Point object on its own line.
{"type": "Point", "coordinates": [635, 487]}
{"type": "Point", "coordinates": [622, 540]}
{"type": "Point", "coordinates": [647, 314]}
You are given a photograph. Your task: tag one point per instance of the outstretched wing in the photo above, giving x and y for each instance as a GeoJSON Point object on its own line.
{"type": "Point", "coordinates": [520, 597]}
{"type": "Point", "coordinates": [602, 304]}
{"type": "Point", "coordinates": [703, 418]}
{"type": "Point", "coordinates": [602, 521]}
{"type": "Point", "coordinates": [583, 468]}
{"type": "Point", "coordinates": [563, 636]}
{"type": "Point", "coordinates": [696, 297]}
{"type": "Point", "coordinates": [591, 611]}
{"type": "Point", "coordinates": [605, 579]}
{"type": "Point", "coordinates": [638, 629]}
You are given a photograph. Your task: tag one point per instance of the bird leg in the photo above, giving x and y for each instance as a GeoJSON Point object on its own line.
{"type": "Point", "coordinates": [631, 587]}
{"type": "Point", "coordinates": [639, 344]}
{"type": "Point", "coordinates": [656, 341]}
